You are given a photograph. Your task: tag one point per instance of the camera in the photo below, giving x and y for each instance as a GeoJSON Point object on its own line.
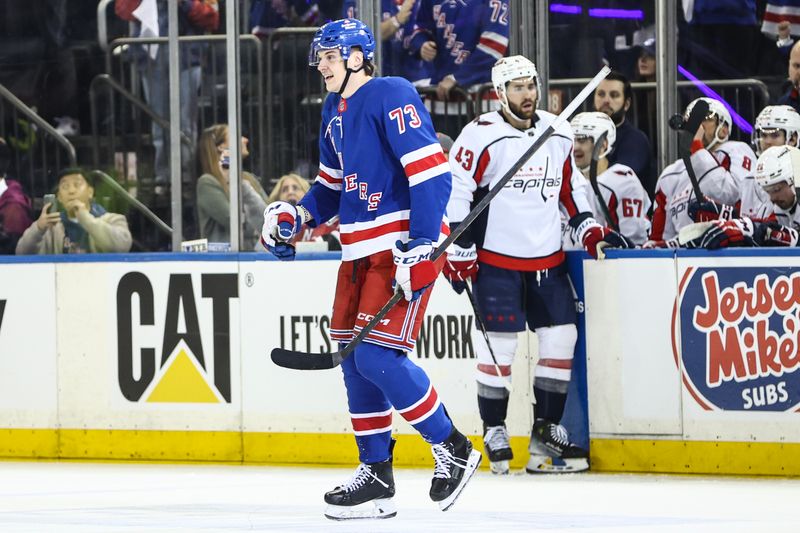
{"type": "Point", "coordinates": [676, 122]}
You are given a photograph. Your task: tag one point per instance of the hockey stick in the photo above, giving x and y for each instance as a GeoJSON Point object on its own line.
{"type": "Point", "coordinates": [593, 180]}
{"type": "Point", "coordinates": [698, 115]}
{"type": "Point", "coordinates": [482, 327]}
{"type": "Point", "coordinates": [321, 361]}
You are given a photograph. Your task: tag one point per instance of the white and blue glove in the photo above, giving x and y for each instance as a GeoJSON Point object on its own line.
{"type": "Point", "coordinates": [415, 271]}
{"type": "Point", "coordinates": [282, 221]}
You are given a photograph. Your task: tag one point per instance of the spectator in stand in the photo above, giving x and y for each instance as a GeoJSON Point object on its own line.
{"type": "Point", "coordinates": [397, 27]}
{"type": "Point", "coordinates": [645, 101]}
{"type": "Point", "coordinates": [462, 40]}
{"type": "Point", "coordinates": [80, 226]}
{"type": "Point", "coordinates": [613, 97]}
{"type": "Point", "coordinates": [15, 206]}
{"type": "Point", "coordinates": [792, 96]}
{"type": "Point", "coordinates": [213, 191]}
{"type": "Point", "coordinates": [195, 17]}
{"type": "Point", "coordinates": [291, 188]}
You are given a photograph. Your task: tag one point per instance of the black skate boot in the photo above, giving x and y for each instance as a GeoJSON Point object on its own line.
{"type": "Point", "coordinates": [456, 461]}
{"type": "Point", "coordinates": [552, 452]}
{"type": "Point", "coordinates": [497, 447]}
{"type": "Point", "coordinates": [368, 494]}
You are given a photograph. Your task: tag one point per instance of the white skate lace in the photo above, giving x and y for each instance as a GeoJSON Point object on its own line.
{"type": "Point", "coordinates": [496, 438]}
{"type": "Point", "coordinates": [444, 459]}
{"type": "Point", "coordinates": [361, 476]}
{"type": "Point", "coordinates": [559, 435]}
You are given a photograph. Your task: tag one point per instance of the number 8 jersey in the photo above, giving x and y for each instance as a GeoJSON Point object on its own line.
{"type": "Point", "coordinates": [521, 228]}
{"type": "Point", "coordinates": [382, 169]}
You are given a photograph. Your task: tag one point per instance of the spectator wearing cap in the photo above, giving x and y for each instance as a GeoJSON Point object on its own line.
{"type": "Point", "coordinates": [644, 101]}
{"type": "Point", "coordinates": [14, 206]}
{"type": "Point", "coordinates": [80, 226]}
{"type": "Point", "coordinates": [613, 97]}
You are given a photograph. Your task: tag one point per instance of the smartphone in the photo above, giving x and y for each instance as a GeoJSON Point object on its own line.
{"type": "Point", "coordinates": [51, 199]}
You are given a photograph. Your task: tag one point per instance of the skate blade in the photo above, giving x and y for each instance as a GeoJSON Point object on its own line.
{"type": "Point", "coordinates": [473, 462]}
{"type": "Point", "coordinates": [500, 468]}
{"type": "Point", "coordinates": [372, 510]}
{"type": "Point", "coordinates": [544, 464]}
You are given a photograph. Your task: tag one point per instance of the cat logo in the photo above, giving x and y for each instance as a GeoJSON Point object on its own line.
{"type": "Point", "coordinates": [183, 375]}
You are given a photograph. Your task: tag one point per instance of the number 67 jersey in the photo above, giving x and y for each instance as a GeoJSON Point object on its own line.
{"type": "Point", "coordinates": [382, 169]}
{"type": "Point", "coordinates": [521, 228]}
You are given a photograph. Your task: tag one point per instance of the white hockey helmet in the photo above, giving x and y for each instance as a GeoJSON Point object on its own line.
{"type": "Point", "coordinates": [778, 164]}
{"type": "Point", "coordinates": [593, 124]}
{"type": "Point", "coordinates": [777, 117]}
{"type": "Point", "coordinates": [716, 109]}
{"type": "Point", "coordinates": [513, 68]}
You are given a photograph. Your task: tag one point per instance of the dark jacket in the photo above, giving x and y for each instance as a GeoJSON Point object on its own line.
{"type": "Point", "coordinates": [632, 148]}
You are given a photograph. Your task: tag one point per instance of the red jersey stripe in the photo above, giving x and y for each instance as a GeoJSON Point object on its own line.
{"type": "Point", "coordinates": [421, 165]}
{"type": "Point", "coordinates": [519, 263]}
{"type": "Point", "coordinates": [423, 408]}
{"type": "Point", "coordinates": [373, 422]}
{"type": "Point", "coordinates": [330, 179]}
{"type": "Point", "coordinates": [494, 45]}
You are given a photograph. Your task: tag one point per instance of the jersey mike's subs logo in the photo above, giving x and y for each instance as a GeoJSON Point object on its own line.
{"type": "Point", "coordinates": [736, 337]}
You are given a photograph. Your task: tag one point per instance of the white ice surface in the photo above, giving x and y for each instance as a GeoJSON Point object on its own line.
{"type": "Point", "coordinates": [86, 497]}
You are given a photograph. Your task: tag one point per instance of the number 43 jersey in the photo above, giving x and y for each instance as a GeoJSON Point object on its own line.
{"type": "Point", "coordinates": [521, 228]}
{"type": "Point", "coordinates": [382, 169]}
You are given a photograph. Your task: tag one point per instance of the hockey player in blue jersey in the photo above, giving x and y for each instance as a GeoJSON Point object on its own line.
{"type": "Point", "coordinates": [383, 172]}
{"type": "Point", "coordinates": [462, 38]}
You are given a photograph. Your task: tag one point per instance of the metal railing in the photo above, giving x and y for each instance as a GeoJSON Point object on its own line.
{"type": "Point", "coordinates": [130, 199]}
{"type": "Point", "coordinates": [38, 150]}
{"type": "Point", "coordinates": [120, 65]}
{"type": "Point", "coordinates": [294, 103]}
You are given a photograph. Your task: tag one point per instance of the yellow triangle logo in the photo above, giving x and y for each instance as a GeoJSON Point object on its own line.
{"type": "Point", "coordinates": [182, 382]}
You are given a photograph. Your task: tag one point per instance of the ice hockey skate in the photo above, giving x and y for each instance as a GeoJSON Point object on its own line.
{"type": "Point", "coordinates": [455, 463]}
{"type": "Point", "coordinates": [368, 494]}
{"type": "Point", "coordinates": [552, 452]}
{"type": "Point", "coordinates": [498, 449]}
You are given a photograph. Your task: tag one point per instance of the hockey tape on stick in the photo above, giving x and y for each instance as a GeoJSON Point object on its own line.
{"type": "Point", "coordinates": [321, 361]}
{"type": "Point", "coordinates": [593, 181]}
{"type": "Point", "coordinates": [698, 115]}
{"type": "Point", "coordinates": [482, 327]}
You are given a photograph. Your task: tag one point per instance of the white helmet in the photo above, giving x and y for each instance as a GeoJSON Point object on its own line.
{"type": "Point", "coordinates": [512, 68]}
{"type": "Point", "coordinates": [715, 110]}
{"type": "Point", "coordinates": [778, 164]}
{"type": "Point", "coordinates": [777, 117]}
{"type": "Point", "coordinates": [593, 124]}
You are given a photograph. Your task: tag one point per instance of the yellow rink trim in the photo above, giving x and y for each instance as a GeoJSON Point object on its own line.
{"type": "Point", "coordinates": [696, 457]}
{"type": "Point", "coordinates": [607, 455]}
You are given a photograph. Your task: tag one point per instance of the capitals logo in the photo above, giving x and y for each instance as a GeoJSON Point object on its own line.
{"type": "Point", "coordinates": [736, 337]}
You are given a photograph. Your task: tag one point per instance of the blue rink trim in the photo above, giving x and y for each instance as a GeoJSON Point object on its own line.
{"type": "Point", "coordinates": [153, 257]}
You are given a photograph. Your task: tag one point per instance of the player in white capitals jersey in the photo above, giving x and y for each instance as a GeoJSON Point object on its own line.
{"type": "Point", "coordinates": [623, 193]}
{"type": "Point", "coordinates": [513, 253]}
{"type": "Point", "coordinates": [777, 174]}
{"type": "Point", "coordinates": [776, 125]}
{"type": "Point", "coordinates": [721, 165]}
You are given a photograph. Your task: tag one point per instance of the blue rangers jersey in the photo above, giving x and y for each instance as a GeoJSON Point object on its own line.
{"type": "Point", "coordinates": [470, 36]}
{"type": "Point", "coordinates": [382, 170]}
{"type": "Point", "coordinates": [397, 59]}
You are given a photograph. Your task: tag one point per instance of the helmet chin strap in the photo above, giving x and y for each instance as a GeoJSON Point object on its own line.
{"type": "Point", "coordinates": [507, 109]}
{"type": "Point", "coordinates": [347, 77]}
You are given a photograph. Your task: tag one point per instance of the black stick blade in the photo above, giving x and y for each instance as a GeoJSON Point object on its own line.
{"type": "Point", "coordinates": [698, 115]}
{"type": "Point", "coordinates": [305, 361]}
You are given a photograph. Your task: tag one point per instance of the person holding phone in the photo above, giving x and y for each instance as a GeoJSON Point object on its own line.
{"type": "Point", "coordinates": [15, 206]}
{"type": "Point", "coordinates": [81, 226]}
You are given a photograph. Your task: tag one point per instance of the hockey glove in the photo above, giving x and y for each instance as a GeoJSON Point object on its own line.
{"type": "Point", "coordinates": [415, 271]}
{"type": "Point", "coordinates": [725, 234]}
{"type": "Point", "coordinates": [774, 234]}
{"type": "Point", "coordinates": [596, 237]}
{"type": "Point", "coordinates": [282, 221]}
{"type": "Point", "coordinates": [709, 210]}
{"type": "Point", "coordinates": [461, 265]}
{"type": "Point", "coordinates": [669, 243]}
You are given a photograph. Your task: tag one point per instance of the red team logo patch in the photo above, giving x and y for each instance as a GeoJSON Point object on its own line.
{"type": "Point", "coordinates": [736, 337]}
